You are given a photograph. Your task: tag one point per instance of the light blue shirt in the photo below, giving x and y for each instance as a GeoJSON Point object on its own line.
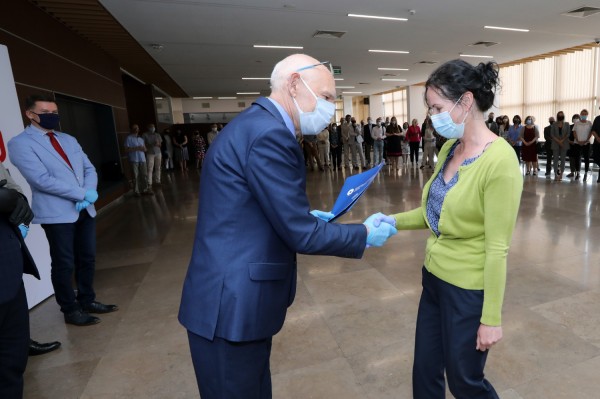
{"type": "Point", "coordinates": [133, 140]}
{"type": "Point", "coordinates": [286, 118]}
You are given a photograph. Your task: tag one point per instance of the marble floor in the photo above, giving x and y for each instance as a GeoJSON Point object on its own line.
{"type": "Point", "coordinates": [349, 333]}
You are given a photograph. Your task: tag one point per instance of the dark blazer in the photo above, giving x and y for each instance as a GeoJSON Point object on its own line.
{"type": "Point", "coordinates": [367, 133]}
{"type": "Point", "coordinates": [253, 217]}
{"type": "Point", "coordinates": [15, 260]}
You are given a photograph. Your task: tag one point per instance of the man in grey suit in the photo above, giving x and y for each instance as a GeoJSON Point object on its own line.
{"type": "Point", "coordinates": [63, 184]}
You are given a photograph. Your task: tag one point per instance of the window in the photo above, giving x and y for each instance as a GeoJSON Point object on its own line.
{"type": "Point", "coordinates": [395, 104]}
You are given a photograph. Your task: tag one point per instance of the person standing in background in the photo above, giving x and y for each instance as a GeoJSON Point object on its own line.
{"type": "Point", "coordinates": [529, 136]}
{"type": "Point", "coordinates": [180, 141]}
{"type": "Point", "coordinates": [323, 147]}
{"type": "Point", "coordinates": [212, 135]}
{"type": "Point", "coordinates": [596, 146]}
{"type": "Point", "coordinates": [492, 125]}
{"type": "Point", "coordinates": [135, 149]}
{"type": "Point", "coordinates": [335, 142]}
{"type": "Point", "coordinates": [429, 145]}
{"type": "Point", "coordinates": [573, 151]}
{"type": "Point", "coordinates": [583, 134]}
{"type": "Point", "coordinates": [378, 135]}
{"type": "Point", "coordinates": [394, 140]}
{"type": "Point", "coordinates": [153, 142]}
{"type": "Point", "coordinates": [548, 147]}
{"type": "Point", "coordinates": [413, 135]}
{"type": "Point", "coordinates": [368, 140]}
{"type": "Point", "coordinates": [199, 146]}
{"type": "Point", "coordinates": [346, 128]}
{"type": "Point", "coordinates": [560, 133]}
{"type": "Point", "coordinates": [167, 149]}
{"type": "Point", "coordinates": [63, 184]}
{"type": "Point", "coordinates": [513, 136]}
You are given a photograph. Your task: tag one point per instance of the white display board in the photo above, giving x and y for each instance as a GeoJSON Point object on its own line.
{"type": "Point", "coordinates": [11, 124]}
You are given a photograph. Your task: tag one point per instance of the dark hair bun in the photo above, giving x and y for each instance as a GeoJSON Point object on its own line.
{"type": "Point", "coordinates": [454, 78]}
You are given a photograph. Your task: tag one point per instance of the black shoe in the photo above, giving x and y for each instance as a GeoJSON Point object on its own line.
{"type": "Point", "coordinates": [36, 348]}
{"type": "Point", "coordinates": [571, 174]}
{"type": "Point", "coordinates": [80, 318]}
{"type": "Point", "coordinates": [585, 177]}
{"type": "Point", "coordinates": [97, 307]}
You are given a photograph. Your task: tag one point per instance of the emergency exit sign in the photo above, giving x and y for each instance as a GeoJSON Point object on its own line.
{"type": "Point", "coordinates": [337, 70]}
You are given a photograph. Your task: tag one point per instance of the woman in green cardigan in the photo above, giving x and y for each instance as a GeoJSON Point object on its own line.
{"type": "Point", "coordinates": [470, 204]}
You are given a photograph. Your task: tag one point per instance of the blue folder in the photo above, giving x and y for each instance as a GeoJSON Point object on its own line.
{"type": "Point", "coordinates": [354, 187]}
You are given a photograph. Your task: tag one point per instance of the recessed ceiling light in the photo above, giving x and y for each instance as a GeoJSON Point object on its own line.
{"type": "Point", "coordinates": [377, 17]}
{"type": "Point", "coordinates": [389, 51]}
{"type": "Point", "coordinates": [352, 92]}
{"type": "Point", "coordinates": [503, 28]}
{"type": "Point", "coordinates": [345, 87]}
{"type": "Point", "coordinates": [393, 69]}
{"type": "Point", "coordinates": [158, 98]}
{"type": "Point", "coordinates": [226, 98]}
{"type": "Point", "coordinates": [256, 78]}
{"type": "Point", "coordinates": [202, 98]}
{"type": "Point", "coordinates": [338, 78]}
{"type": "Point", "coordinates": [248, 93]}
{"type": "Point", "coordinates": [393, 80]}
{"type": "Point", "coordinates": [269, 46]}
{"type": "Point", "coordinates": [476, 56]}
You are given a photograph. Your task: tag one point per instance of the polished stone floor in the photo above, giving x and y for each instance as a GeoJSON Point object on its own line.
{"type": "Point", "coordinates": [349, 333]}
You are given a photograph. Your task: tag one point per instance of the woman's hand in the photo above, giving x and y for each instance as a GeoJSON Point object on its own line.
{"type": "Point", "coordinates": [487, 336]}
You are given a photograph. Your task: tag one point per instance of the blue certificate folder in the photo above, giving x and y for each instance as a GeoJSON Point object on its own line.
{"type": "Point", "coordinates": [354, 187]}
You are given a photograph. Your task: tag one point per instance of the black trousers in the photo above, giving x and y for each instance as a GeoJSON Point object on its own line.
{"type": "Point", "coordinates": [336, 156]}
{"type": "Point", "coordinates": [232, 370]}
{"type": "Point", "coordinates": [578, 152]}
{"type": "Point", "coordinates": [548, 146]}
{"type": "Point", "coordinates": [14, 345]}
{"type": "Point", "coordinates": [446, 336]}
{"type": "Point", "coordinates": [73, 252]}
{"type": "Point", "coordinates": [414, 151]}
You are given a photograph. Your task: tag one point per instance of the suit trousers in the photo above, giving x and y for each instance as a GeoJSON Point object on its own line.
{"type": "Point", "coordinates": [14, 345]}
{"type": "Point", "coordinates": [232, 370]}
{"type": "Point", "coordinates": [336, 156]}
{"type": "Point", "coordinates": [346, 149]}
{"type": "Point", "coordinates": [446, 335]}
{"type": "Point", "coordinates": [153, 161]}
{"type": "Point", "coordinates": [548, 147]}
{"type": "Point", "coordinates": [140, 181]}
{"type": "Point", "coordinates": [73, 250]}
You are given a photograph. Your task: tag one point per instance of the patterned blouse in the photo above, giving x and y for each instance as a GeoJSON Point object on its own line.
{"type": "Point", "coordinates": [439, 188]}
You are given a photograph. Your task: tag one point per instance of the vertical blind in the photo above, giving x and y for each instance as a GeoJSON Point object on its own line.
{"type": "Point", "coordinates": [543, 87]}
{"type": "Point", "coordinates": [396, 104]}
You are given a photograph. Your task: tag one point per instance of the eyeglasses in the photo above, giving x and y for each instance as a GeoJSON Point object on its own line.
{"type": "Point", "coordinates": [324, 63]}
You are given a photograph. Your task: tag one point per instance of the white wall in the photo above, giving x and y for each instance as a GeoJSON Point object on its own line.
{"type": "Point", "coordinates": [416, 104]}
{"type": "Point", "coordinates": [347, 105]}
{"type": "Point", "coordinates": [376, 106]}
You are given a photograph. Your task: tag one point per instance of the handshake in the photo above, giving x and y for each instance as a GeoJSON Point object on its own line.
{"type": "Point", "coordinates": [380, 227]}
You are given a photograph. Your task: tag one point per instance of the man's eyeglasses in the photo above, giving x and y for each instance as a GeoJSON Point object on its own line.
{"type": "Point", "coordinates": [324, 63]}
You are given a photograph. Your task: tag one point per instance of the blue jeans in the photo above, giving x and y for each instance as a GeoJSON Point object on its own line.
{"type": "Point", "coordinates": [73, 250]}
{"type": "Point", "coordinates": [377, 152]}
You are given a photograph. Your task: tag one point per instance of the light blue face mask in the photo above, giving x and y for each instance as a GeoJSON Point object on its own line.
{"type": "Point", "coordinates": [314, 122]}
{"type": "Point", "coordinates": [446, 127]}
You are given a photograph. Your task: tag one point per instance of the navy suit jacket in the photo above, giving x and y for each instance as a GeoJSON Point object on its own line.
{"type": "Point", "coordinates": [253, 217]}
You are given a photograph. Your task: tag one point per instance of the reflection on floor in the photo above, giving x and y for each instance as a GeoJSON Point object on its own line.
{"type": "Point", "coordinates": [349, 333]}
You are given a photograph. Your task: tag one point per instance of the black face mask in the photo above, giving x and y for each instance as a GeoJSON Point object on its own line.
{"type": "Point", "coordinates": [551, 122]}
{"type": "Point", "coordinates": [48, 121]}
{"type": "Point", "coordinates": [490, 120]}
{"type": "Point", "coordinates": [560, 118]}
{"type": "Point", "coordinates": [516, 121]}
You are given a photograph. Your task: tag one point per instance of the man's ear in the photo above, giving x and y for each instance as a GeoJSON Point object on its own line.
{"type": "Point", "coordinates": [293, 83]}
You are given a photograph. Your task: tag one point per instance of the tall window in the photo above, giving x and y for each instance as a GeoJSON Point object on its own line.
{"type": "Point", "coordinates": [395, 104]}
{"type": "Point", "coordinates": [543, 87]}
{"type": "Point", "coordinates": [339, 110]}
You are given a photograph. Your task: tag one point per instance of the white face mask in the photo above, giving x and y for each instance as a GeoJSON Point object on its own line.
{"type": "Point", "coordinates": [214, 129]}
{"type": "Point", "coordinates": [152, 130]}
{"type": "Point", "coordinates": [312, 123]}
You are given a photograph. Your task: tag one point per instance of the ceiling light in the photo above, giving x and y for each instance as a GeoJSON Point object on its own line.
{"type": "Point", "coordinates": [202, 98]}
{"type": "Point", "coordinates": [269, 46]}
{"type": "Point", "coordinates": [256, 78]}
{"type": "Point", "coordinates": [389, 51]}
{"type": "Point", "coordinates": [226, 98]}
{"type": "Point", "coordinates": [248, 93]}
{"type": "Point", "coordinates": [338, 78]}
{"type": "Point", "coordinates": [345, 87]}
{"type": "Point", "coordinates": [476, 56]}
{"type": "Point", "coordinates": [393, 69]}
{"type": "Point", "coordinates": [377, 17]}
{"type": "Point", "coordinates": [502, 28]}
{"type": "Point", "coordinates": [158, 98]}
{"type": "Point", "coordinates": [393, 80]}
{"type": "Point", "coordinates": [157, 46]}
{"type": "Point", "coordinates": [352, 92]}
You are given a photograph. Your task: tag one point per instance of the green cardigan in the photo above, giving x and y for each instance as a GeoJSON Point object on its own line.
{"type": "Point", "coordinates": [476, 225]}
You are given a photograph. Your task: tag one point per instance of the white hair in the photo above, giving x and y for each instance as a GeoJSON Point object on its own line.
{"type": "Point", "coordinates": [284, 68]}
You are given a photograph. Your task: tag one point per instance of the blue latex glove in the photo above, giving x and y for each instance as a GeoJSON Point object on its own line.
{"type": "Point", "coordinates": [380, 217]}
{"type": "Point", "coordinates": [81, 205]}
{"type": "Point", "coordinates": [24, 230]}
{"type": "Point", "coordinates": [91, 196]}
{"type": "Point", "coordinates": [378, 235]}
{"type": "Point", "coordinates": [325, 216]}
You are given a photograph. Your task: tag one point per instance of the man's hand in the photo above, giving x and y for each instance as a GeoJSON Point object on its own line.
{"type": "Point", "coordinates": [22, 214]}
{"type": "Point", "coordinates": [81, 205]}
{"type": "Point", "coordinates": [378, 235]}
{"type": "Point", "coordinates": [90, 196]}
{"type": "Point", "coordinates": [487, 336]}
{"type": "Point", "coordinates": [324, 216]}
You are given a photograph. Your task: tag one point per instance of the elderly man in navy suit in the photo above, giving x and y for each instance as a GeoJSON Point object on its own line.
{"type": "Point", "coordinates": [63, 184]}
{"type": "Point", "coordinates": [253, 217]}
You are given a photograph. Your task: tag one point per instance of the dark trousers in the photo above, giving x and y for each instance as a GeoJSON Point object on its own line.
{"type": "Point", "coordinates": [336, 156]}
{"type": "Point", "coordinates": [518, 152]}
{"type": "Point", "coordinates": [368, 149]}
{"type": "Point", "coordinates": [73, 250]}
{"type": "Point", "coordinates": [548, 146]}
{"type": "Point", "coordinates": [578, 152]}
{"type": "Point", "coordinates": [14, 345]}
{"type": "Point", "coordinates": [414, 151]}
{"type": "Point", "coordinates": [446, 336]}
{"type": "Point", "coordinates": [232, 370]}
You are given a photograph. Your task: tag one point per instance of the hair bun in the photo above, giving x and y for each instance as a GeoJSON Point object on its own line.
{"type": "Point", "coordinates": [489, 75]}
